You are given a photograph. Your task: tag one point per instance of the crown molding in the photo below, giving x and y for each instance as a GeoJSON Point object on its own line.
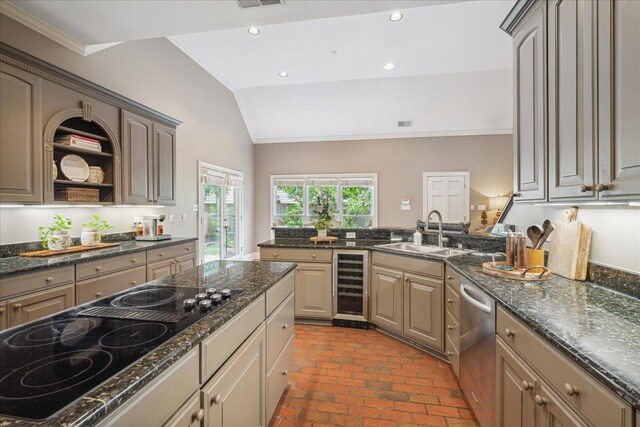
{"type": "Point", "coordinates": [36, 24]}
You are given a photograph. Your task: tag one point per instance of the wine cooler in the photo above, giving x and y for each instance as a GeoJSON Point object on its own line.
{"type": "Point", "coordinates": [350, 285]}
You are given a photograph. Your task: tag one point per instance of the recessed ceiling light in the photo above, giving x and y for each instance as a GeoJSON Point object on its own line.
{"type": "Point", "coordinates": [254, 31]}
{"type": "Point", "coordinates": [283, 74]}
{"type": "Point", "coordinates": [389, 66]}
{"type": "Point", "coordinates": [395, 16]}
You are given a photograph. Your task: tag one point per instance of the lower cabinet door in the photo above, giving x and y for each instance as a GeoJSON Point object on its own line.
{"type": "Point", "coordinates": [39, 304]}
{"type": "Point", "coordinates": [190, 413]}
{"type": "Point", "coordinates": [313, 290]}
{"type": "Point", "coordinates": [515, 389]}
{"type": "Point", "coordinates": [553, 412]}
{"type": "Point", "coordinates": [423, 310]}
{"type": "Point", "coordinates": [386, 298]}
{"type": "Point", "coordinates": [185, 262]}
{"type": "Point", "coordinates": [278, 378]}
{"type": "Point", "coordinates": [3, 315]}
{"type": "Point", "coordinates": [235, 396]}
{"type": "Point", "coordinates": [89, 290]}
{"type": "Point", "coordinates": [160, 269]}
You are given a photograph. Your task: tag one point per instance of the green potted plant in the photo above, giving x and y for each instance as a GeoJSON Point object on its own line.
{"type": "Point", "coordinates": [93, 231]}
{"type": "Point", "coordinates": [56, 237]}
{"type": "Point", "coordinates": [323, 222]}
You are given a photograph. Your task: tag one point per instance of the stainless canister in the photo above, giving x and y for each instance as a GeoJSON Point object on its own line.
{"type": "Point", "coordinates": [511, 250]}
{"type": "Point", "coordinates": [521, 243]}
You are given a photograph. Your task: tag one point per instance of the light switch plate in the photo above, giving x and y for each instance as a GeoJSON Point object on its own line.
{"type": "Point", "coordinates": [195, 208]}
{"type": "Point", "coordinates": [351, 234]}
{"type": "Point", "coordinates": [472, 207]}
{"type": "Point", "coordinates": [172, 217]}
{"type": "Point", "coordinates": [405, 207]}
{"type": "Point", "coordinates": [184, 217]}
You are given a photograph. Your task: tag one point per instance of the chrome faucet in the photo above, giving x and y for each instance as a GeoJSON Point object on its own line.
{"type": "Point", "coordinates": [441, 238]}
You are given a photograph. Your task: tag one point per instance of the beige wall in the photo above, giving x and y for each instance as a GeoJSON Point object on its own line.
{"type": "Point", "coordinates": [157, 74]}
{"type": "Point", "coordinates": [399, 164]}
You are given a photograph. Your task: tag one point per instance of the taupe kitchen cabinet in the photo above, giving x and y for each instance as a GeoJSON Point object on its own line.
{"type": "Point", "coordinates": [618, 100]}
{"type": "Point", "coordinates": [20, 136]}
{"type": "Point", "coordinates": [572, 94]}
{"type": "Point", "coordinates": [3, 315]}
{"type": "Point", "coordinates": [452, 318]}
{"type": "Point", "coordinates": [149, 157]}
{"type": "Point", "coordinates": [190, 414]}
{"type": "Point", "coordinates": [313, 290]}
{"type": "Point", "coordinates": [108, 284]}
{"type": "Point", "coordinates": [39, 304]}
{"type": "Point", "coordinates": [529, 90]}
{"type": "Point", "coordinates": [423, 310]}
{"type": "Point", "coordinates": [170, 260]}
{"type": "Point", "coordinates": [386, 298]}
{"type": "Point", "coordinates": [552, 412]}
{"type": "Point", "coordinates": [235, 396]}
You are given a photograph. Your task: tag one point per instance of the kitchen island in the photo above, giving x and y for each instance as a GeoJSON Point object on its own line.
{"type": "Point", "coordinates": [263, 292]}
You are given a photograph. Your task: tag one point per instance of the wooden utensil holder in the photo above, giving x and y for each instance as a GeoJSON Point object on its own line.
{"type": "Point", "coordinates": [534, 257]}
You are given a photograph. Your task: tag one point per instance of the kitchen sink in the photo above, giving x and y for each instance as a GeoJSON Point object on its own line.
{"type": "Point", "coordinates": [424, 249]}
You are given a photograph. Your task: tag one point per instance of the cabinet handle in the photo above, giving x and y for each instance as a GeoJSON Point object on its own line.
{"type": "Point", "coordinates": [49, 279]}
{"type": "Point", "coordinates": [98, 268]}
{"type": "Point", "coordinates": [198, 416]}
{"type": "Point", "coordinates": [217, 399]}
{"type": "Point", "coordinates": [285, 372]}
{"type": "Point", "coordinates": [449, 301]}
{"type": "Point", "coordinates": [134, 282]}
{"type": "Point", "coordinates": [571, 389]}
{"type": "Point", "coordinates": [602, 187]}
{"type": "Point", "coordinates": [285, 326]}
{"type": "Point", "coordinates": [585, 188]}
{"type": "Point", "coordinates": [508, 332]}
{"type": "Point", "coordinates": [133, 260]}
{"type": "Point", "coordinates": [527, 385]}
{"type": "Point", "coordinates": [17, 306]}
{"type": "Point", "coordinates": [540, 401]}
{"type": "Point", "coordinates": [98, 294]}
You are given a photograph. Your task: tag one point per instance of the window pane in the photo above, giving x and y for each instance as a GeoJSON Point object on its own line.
{"type": "Point", "coordinates": [321, 195]}
{"type": "Point", "coordinates": [357, 206]}
{"type": "Point", "coordinates": [289, 206]}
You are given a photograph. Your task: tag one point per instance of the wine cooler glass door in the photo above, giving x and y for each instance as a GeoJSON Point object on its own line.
{"type": "Point", "coordinates": [350, 285]}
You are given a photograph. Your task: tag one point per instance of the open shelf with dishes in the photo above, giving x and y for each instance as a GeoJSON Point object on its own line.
{"type": "Point", "coordinates": [82, 152]}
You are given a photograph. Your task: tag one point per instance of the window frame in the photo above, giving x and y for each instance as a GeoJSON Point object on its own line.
{"type": "Point", "coordinates": [309, 177]}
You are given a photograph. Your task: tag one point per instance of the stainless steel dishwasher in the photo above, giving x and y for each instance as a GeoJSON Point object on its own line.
{"type": "Point", "coordinates": [478, 351]}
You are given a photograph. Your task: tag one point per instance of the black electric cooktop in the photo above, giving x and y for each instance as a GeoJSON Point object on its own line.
{"type": "Point", "coordinates": [48, 364]}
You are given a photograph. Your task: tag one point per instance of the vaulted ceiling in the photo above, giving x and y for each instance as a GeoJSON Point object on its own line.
{"type": "Point", "coordinates": [451, 63]}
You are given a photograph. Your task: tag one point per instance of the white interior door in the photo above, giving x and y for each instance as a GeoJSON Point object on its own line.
{"type": "Point", "coordinates": [449, 194]}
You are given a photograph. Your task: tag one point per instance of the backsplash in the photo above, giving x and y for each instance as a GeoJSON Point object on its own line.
{"type": "Point", "coordinates": [15, 249]}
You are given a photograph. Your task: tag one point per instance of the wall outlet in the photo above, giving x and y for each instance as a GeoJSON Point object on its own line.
{"type": "Point", "coordinates": [136, 219]}
{"type": "Point", "coordinates": [405, 207]}
{"type": "Point", "coordinates": [472, 207]}
{"type": "Point", "coordinates": [351, 234]}
{"type": "Point", "coordinates": [195, 208]}
{"type": "Point", "coordinates": [171, 217]}
{"type": "Point", "coordinates": [184, 217]}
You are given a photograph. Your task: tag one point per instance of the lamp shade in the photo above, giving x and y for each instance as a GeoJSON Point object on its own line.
{"type": "Point", "coordinates": [497, 203]}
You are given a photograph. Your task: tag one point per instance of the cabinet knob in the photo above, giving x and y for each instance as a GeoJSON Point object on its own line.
{"type": "Point", "coordinates": [297, 268]}
{"type": "Point", "coordinates": [397, 277]}
{"type": "Point", "coordinates": [134, 282]}
{"type": "Point", "coordinates": [406, 279]}
{"type": "Point", "coordinates": [449, 301]}
{"type": "Point", "coordinates": [540, 401]}
{"type": "Point", "coordinates": [98, 268]}
{"type": "Point", "coordinates": [602, 187]}
{"type": "Point", "coordinates": [275, 254]}
{"type": "Point", "coordinates": [585, 188]}
{"type": "Point", "coordinates": [285, 326]}
{"type": "Point", "coordinates": [526, 385]}
{"type": "Point", "coordinates": [2, 310]}
{"type": "Point", "coordinates": [17, 306]}
{"type": "Point", "coordinates": [49, 279]}
{"type": "Point", "coordinates": [198, 416]}
{"type": "Point", "coordinates": [98, 294]}
{"type": "Point", "coordinates": [508, 332]}
{"type": "Point", "coordinates": [450, 328]}
{"type": "Point", "coordinates": [187, 249]}
{"type": "Point", "coordinates": [285, 372]}
{"type": "Point", "coordinates": [217, 399]}
{"type": "Point", "coordinates": [571, 389]}
{"type": "Point", "coordinates": [133, 260]}
{"type": "Point", "coordinates": [313, 256]}
{"type": "Point", "coordinates": [161, 254]}
{"type": "Point", "coordinates": [516, 194]}
{"type": "Point", "coordinates": [449, 277]}
{"type": "Point", "coordinates": [449, 354]}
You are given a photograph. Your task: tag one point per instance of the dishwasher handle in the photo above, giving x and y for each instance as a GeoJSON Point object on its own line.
{"type": "Point", "coordinates": [473, 301]}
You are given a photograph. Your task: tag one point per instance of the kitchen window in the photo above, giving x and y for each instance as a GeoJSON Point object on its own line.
{"type": "Point", "coordinates": [352, 198]}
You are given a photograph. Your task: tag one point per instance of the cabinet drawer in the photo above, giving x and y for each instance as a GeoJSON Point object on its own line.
{"type": "Point", "coordinates": [405, 263]}
{"type": "Point", "coordinates": [24, 283]}
{"type": "Point", "coordinates": [158, 401]}
{"type": "Point", "coordinates": [175, 251]}
{"type": "Point", "coordinates": [101, 267]}
{"type": "Point", "coordinates": [288, 254]}
{"type": "Point", "coordinates": [453, 279]}
{"type": "Point", "coordinates": [453, 302]}
{"type": "Point", "coordinates": [278, 377]}
{"type": "Point", "coordinates": [453, 330]}
{"type": "Point", "coordinates": [3, 315]}
{"type": "Point", "coordinates": [279, 329]}
{"type": "Point", "coordinates": [217, 348]}
{"type": "Point", "coordinates": [278, 292]}
{"type": "Point", "coordinates": [575, 387]}
{"type": "Point", "coordinates": [454, 357]}
{"type": "Point", "coordinates": [189, 415]}
{"type": "Point", "coordinates": [37, 305]}
{"type": "Point", "coordinates": [109, 284]}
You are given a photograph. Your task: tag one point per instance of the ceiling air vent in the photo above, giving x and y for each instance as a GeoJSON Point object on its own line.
{"type": "Point", "coordinates": [245, 4]}
{"type": "Point", "coordinates": [405, 123]}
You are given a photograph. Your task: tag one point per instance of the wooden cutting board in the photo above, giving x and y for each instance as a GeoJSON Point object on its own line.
{"type": "Point", "coordinates": [70, 250]}
{"type": "Point", "coordinates": [569, 247]}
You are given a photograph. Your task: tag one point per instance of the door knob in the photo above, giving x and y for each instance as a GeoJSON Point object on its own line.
{"type": "Point", "coordinates": [198, 416]}
{"type": "Point", "coordinates": [571, 389]}
{"type": "Point", "coordinates": [541, 400]}
{"type": "Point", "coordinates": [526, 385]}
{"type": "Point", "coordinates": [508, 332]}
{"type": "Point", "coordinates": [585, 188]}
{"type": "Point", "coordinates": [217, 399]}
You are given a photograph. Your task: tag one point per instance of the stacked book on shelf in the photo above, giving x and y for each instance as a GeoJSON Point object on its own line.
{"type": "Point", "coordinates": [79, 141]}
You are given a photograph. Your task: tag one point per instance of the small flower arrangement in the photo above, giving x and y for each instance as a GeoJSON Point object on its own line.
{"type": "Point", "coordinates": [324, 220]}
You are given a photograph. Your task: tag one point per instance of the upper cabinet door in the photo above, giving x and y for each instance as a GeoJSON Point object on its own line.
{"type": "Point", "coordinates": [164, 165]}
{"type": "Point", "coordinates": [20, 136]}
{"type": "Point", "coordinates": [619, 99]}
{"type": "Point", "coordinates": [137, 152]}
{"type": "Point", "coordinates": [572, 124]}
{"type": "Point", "coordinates": [529, 127]}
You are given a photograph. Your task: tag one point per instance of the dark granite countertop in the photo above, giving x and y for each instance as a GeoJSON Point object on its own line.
{"type": "Point", "coordinates": [306, 243]}
{"type": "Point", "coordinates": [18, 264]}
{"type": "Point", "coordinates": [596, 327]}
{"type": "Point", "coordinates": [252, 277]}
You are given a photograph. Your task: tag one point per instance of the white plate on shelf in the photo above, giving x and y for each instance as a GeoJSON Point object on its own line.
{"type": "Point", "coordinates": [74, 168]}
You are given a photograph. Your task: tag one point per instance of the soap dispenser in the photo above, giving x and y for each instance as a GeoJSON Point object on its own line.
{"type": "Point", "coordinates": [417, 237]}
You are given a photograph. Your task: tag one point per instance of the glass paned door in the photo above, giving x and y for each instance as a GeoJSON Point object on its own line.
{"type": "Point", "coordinates": [212, 218]}
{"type": "Point", "coordinates": [231, 221]}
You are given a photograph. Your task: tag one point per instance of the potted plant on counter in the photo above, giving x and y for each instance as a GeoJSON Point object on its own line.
{"type": "Point", "coordinates": [56, 237]}
{"type": "Point", "coordinates": [93, 231]}
{"type": "Point", "coordinates": [323, 222]}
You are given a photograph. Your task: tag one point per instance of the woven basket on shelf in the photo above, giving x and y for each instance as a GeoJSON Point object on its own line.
{"type": "Point", "coordinates": [78, 194]}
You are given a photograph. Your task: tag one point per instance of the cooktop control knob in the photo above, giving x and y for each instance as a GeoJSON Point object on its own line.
{"type": "Point", "coordinates": [201, 296]}
{"type": "Point", "coordinates": [211, 291]}
{"type": "Point", "coordinates": [189, 303]}
{"type": "Point", "coordinates": [216, 298]}
{"type": "Point", "coordinates": [225, 293]}
{"type": "Point", "coordinates": [205, 304]}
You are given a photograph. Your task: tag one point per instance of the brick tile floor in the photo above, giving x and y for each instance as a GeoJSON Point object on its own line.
{"type": "Point", "coordinates": [359, 378]}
